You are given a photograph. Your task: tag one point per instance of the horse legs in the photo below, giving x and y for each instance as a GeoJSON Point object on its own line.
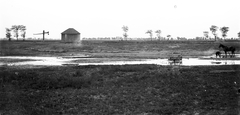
{"type": "Point", "coordinates": [229, 54]}
{"type": "Point", "coordinates": [218, 54]}
{"type": "Point", "coordinates": [233, 54]}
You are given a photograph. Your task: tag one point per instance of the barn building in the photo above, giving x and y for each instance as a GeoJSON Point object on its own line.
{"type": "Point", "coordinates": [70, 35]}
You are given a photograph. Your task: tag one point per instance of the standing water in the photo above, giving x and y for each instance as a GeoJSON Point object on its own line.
{"type": "Point", "coordinates": [59, 61]}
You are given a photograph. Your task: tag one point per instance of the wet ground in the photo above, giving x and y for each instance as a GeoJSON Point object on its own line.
{"type": "Point", "coordinates": [84, 60]}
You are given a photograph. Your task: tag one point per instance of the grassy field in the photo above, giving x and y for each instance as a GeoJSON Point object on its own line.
{"type": "Point", "coordinates": [115, 90]}
{"type": "Point", "coordinates": [121, 49]}
{"type": "Point", "coordinates": [138, 89]}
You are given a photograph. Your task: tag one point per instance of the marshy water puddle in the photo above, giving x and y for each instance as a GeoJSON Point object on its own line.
{"type": "Point", "coordinates": [71, 60]}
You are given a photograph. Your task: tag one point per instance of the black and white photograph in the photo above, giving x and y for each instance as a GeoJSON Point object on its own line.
{"type": "Point", "coordinates": [119, 57]}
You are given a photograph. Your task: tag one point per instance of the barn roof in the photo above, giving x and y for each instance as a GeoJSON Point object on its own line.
{"type": "Point", "coordinates": [70, 31]}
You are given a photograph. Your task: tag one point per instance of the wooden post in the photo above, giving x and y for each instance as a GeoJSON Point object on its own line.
{"type": "Point", "coordinates": [43, 33]}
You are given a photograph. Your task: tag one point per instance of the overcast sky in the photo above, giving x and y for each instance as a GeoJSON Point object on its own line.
{"type": "Point", "coordinates": [104, 18]}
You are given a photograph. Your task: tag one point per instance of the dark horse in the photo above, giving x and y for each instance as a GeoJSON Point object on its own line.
{"type": "Point", "coordinates": [228, 49]}
{"type": "Point", "coordinates": [218, 54]}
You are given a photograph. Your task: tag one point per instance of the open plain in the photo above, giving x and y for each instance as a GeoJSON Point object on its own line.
{"type": "Point", "coordinates": [119, 49]}
{"type": "Point", "coordinates": [119, 89]}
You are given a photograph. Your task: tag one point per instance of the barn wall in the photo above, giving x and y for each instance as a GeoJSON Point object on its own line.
{"type": "Point", "coordinates": [70, 37]}
{"type": "Point", "coordinates": [63, 37]}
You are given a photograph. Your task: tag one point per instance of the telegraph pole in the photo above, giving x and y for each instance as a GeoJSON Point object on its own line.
{"type": "Point", "coordinates": [43, 33]}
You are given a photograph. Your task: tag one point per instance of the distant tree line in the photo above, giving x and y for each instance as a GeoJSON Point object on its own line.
{"type": "Point", "coordinates": [20, 30]}
{"type": "Point", "coordinates": [16, 30]}
{"type": "Point", "coordinates": [213, 29]}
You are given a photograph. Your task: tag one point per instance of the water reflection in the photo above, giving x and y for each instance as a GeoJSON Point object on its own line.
{"type": "Point", "coordinates": [58, 61]}
{"type": "Point", "coordinates": [214, 56]}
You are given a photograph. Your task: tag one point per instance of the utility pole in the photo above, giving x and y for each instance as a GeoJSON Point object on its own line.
{"type": "Point", "coordinates": [43, 33]}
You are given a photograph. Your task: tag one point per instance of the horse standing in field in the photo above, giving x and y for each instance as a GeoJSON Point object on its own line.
{"type": "Point", "coordinates": [228, 49]}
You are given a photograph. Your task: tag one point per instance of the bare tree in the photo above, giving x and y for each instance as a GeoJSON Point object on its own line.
{"type": "Point", "coordinates": [158, 32]}
{"type": "Point", "coordinates": [23, 30]}
{"type": "Point", "coordinates": [224, 31]}
{"type": "Point", "coordinates": [214, 28]}
{"type": "Point", "coordinates": [150, 33]}
{"type": "Point", "coordinates": [15, 29]}
{"type": "Point", "coordinates": [168, 36]}
{"type": "Point", "coordinates": [8, 34]}
{"type": "Point", "coordinates": [205, 33]}
{"type": "Point", "coordinates": [125, 30]}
